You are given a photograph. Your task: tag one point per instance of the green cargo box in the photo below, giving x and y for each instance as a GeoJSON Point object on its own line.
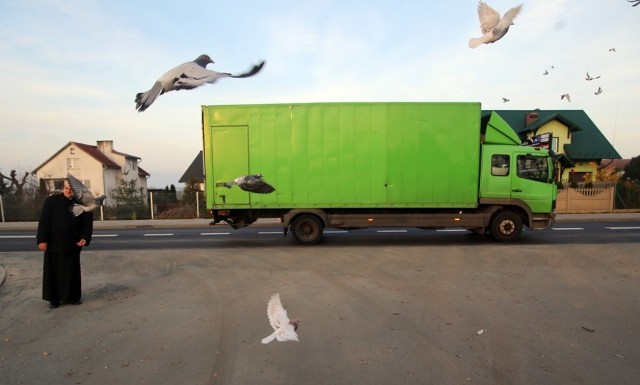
{"type": "Point", "coordinates": [344, 155]}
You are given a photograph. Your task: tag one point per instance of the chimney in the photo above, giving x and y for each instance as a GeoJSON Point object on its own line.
{"type": "Point", "coordinates": [530, 118]}
{"type": "Point", "coordinates": [105, 147]}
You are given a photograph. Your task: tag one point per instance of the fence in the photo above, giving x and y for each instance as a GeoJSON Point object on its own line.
{"type": "Point", "coordinates": [160, 206]}
{"type": "Point", "coordinates": [586, 200]}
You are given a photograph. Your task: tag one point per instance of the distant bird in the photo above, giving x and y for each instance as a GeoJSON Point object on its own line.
{"type": "Point", "coordinates": [613, 49]}
{"type": "Point", "coordinates": [252, 183]}
{"type": "Point", "coordinates": [87, 200]}
{"type": "Point", "coordinates": [187, 76]}
{"type": "Point", "coordinates": [590, 78]}
{"type": "Point", "coordinates": [284, 328]}
{"type": "Point", "coordinates": [634, 1]}
{"type": "Point", "coordinates": [505, 100]}
{"type": "Point", "coordinates": [492, 26]}
{"type": "Point", "coordinates": [545, 72]}
{"type": "Point", "coordinates": [565, 96]}
{"type": "Point", "coordinates": [599, 91]}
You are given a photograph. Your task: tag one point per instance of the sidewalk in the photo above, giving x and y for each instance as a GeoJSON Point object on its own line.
{"type": "Point", "coordinates": [204, 222]}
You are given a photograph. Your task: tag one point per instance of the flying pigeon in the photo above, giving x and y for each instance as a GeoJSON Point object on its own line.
{"type": "Point", "coordinates": [504, 100]}
{"type": "Point", "coordinates": [252, 183]}
{"type": "Point", "coordinates": [87, 200]}
{"type": "Point", "coordinates": [599, 91]}
{"type": "Point", "coordinates": [634, 1]}
{"type": "Point", "coordinates": [187, 76]}
{"type": "Point", "coordinates": [493, 27]}
{"type": "Point", "coordinates": [284, 328]}
{"type": "Point", "coordinates": [590, 78]}
{"type": "Point", "coordinates": [613, 49]}
{"type": "Point", "coordinates": [563, 96]}
{"type": "Point", "coordinates": [545, 72]}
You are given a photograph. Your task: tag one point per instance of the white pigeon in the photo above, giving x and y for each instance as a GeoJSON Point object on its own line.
{"type": "Point", "coordinates": [492, 26]}
{"type": "Point", "coordinates": [565, 96]}
{"type": "Point", "coordinates": [284, 328]}
{"type": "Point", "coordinates": [252, 183]}
{"type": "Point", "coordinates": [187, 76]}
{"type": "Point", "coordinates": [87, 200]}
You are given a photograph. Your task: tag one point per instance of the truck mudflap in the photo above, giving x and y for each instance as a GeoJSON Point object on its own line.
{"type": "Point", "coordinates": [543, 221]}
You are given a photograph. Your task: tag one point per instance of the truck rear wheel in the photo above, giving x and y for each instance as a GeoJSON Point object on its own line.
{"type": "Point", "coordinates": [307, 229]}
{"type": "Point", "coordinates": [506, 226]}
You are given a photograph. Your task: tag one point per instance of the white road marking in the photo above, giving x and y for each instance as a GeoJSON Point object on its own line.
{"type": "Point", "coordinates": [159, 235]}
{"type": "Point", "coordinates": [392, 231]}
{"type": "Point", "coordinates": [624, 228]}
{"type": "Point", "coordinates": [335, 231]}
{"type": "Point", "coordinates": [567, 228]}
{"type": "Point", "coordinates": [269, 232]}
{"type": "Point", "coordinates": [451, 230]}
{"type": "Point", "coordinates": [104, 235]}
{"type": "Point", "coordinates": [215, 233]}
{"type": "Point", "coordinates": [16, 236]}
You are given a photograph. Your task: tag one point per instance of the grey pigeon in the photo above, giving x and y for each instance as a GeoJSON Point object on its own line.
{"type": "Point", "coordinates": [599, 91]}
{"type": "Point", "coordinates": [284, 328]}
{"type": "Point", "coordinates": [634, 1]}
{"type": "Point", "coordinates": [252, 183]}
{"type": "Point", "coordinates": [565, 96]}
{"type": "Point", "coordinates": [492, 26]}
{"type": "Point", "coordinates": [187, 76]}
{"type": "Point", "coordinates": [87, 200]}
{"type": "Point", "coordinates": [545, 72]}
{"type": "Point", "coordinates": [613, 49]}
{"type": "Point", "coordinates": [505, 100]}
{"type": "Point", "coordinates": [590, 78]}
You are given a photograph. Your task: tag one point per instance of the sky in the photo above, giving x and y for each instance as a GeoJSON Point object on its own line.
{"type": "Point", "coordinates": [70, 69]}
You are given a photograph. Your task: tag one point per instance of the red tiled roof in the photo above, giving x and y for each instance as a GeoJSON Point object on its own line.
{"type": "Point", "coordinates": [96, 154]}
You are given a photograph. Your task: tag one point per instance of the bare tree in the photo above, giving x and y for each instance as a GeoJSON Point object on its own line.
{"type": "Point", "coordinates": [15, 182]}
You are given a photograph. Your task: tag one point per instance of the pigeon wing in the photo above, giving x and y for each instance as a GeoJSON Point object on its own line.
{"type": "Point", "coordinates": [80, 190]}
{"type": "Point", "coordinates": [276, 313]}
{"type": "Point", "coordinates": [508, 17]}
{"type": "Point", "coordinates": [488, 16]}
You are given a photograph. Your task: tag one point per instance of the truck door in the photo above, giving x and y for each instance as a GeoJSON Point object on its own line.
{"type": "Point", "coordinates": [230, 147]}
{"type": "Point", "coordinates": [531, 182]}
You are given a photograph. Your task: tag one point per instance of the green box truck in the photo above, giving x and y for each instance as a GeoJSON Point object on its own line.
{"type": "Point", "coordinates": [359, 165]}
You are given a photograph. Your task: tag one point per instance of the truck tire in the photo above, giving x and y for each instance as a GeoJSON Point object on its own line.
{"type": "Point", "coordinates": [506, 226]}
{"type": "Point", "coordinates": [307, 229]}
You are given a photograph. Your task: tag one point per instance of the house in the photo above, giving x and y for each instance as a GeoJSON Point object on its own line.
{"type": "Point", "coordinates": [571, 134]}
{"type": "Point", "coordinates": [195, 172]}
{"type": "Point", "coordinates": [100, 168]}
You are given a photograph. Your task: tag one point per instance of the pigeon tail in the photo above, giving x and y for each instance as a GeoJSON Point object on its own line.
{"type": "Point", "coordinates": [256, 68]}
{"type": "Point", "coordinates": [145, 99]}
{"type": "Point", "coordinates": [476, 41]}
{"type": "Point", "coordinates": [270, 338]}
{"type": "Point", "coordinates": [100, 200]}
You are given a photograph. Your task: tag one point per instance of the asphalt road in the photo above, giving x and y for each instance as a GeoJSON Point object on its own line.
{"type": "Point", "coordinates": [272, 236]}
{"type": "Point", "coordinates": [376, 308]}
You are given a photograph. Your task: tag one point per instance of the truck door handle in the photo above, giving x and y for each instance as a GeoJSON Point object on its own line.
{"type": "Point", "coordinates": [517, 190]}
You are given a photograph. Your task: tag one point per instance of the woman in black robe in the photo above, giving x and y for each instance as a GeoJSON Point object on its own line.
{"type": "Point", "coordinates": [61, 236]}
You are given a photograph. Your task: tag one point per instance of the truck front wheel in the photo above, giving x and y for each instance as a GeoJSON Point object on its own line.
{"type": "Point", "coordinates": [506, 226]}
{"type": "Point", "coordinates": [307, 229]}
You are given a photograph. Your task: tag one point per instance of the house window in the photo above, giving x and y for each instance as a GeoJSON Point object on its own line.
{"type": "Point", "coordinates": [73, 163]}
{"type": "Point", "coordinates": [500, 165]}
{"type": "Point", "coordinates": [554, 144]}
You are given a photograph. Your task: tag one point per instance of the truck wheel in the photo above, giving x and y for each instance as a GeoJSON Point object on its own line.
{"type": "Point", "coordinates": [506, 226]}
{"type": "Point", "coordinates": [307, 229]}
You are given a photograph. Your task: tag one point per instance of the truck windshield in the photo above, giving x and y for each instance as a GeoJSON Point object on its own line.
{"type": "Point", "coordinates": [533, 167]}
